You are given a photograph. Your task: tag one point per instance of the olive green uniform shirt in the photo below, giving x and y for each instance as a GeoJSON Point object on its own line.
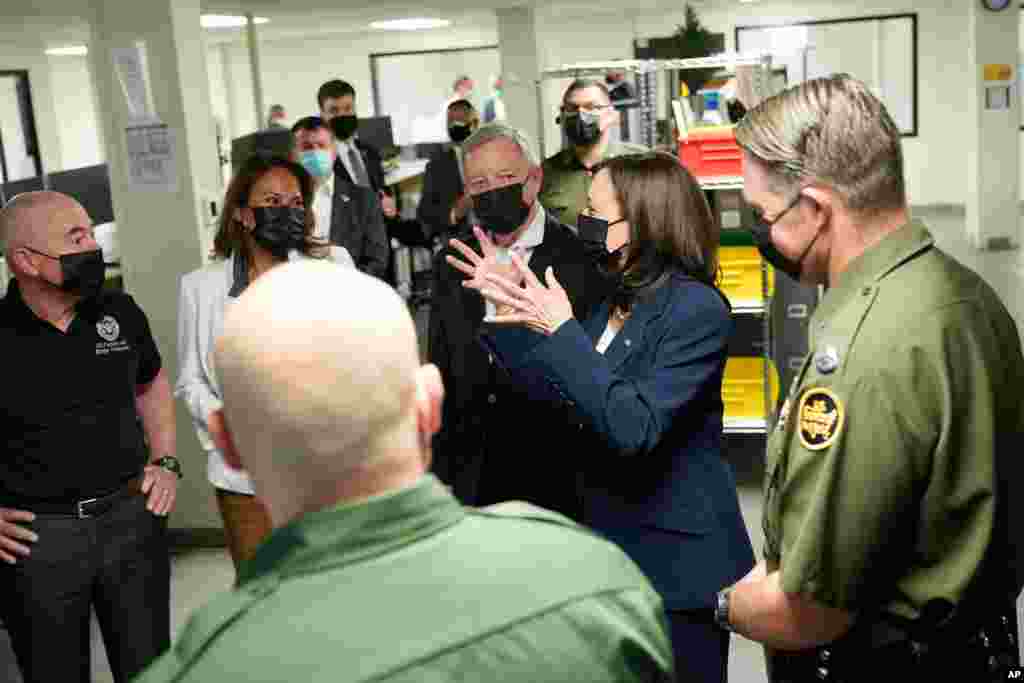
{"type": "Point", "coordinates": [567, 182]}
{"type": "Point", "coordinates": [414, 587]}
{"type": "Point", "coordinates": [889, 467]}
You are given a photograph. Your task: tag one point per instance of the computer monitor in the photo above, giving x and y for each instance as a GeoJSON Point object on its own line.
{"type": "Point", "coordinates": [271, 142]}
{"type": "Point", "coordinates": [16, 187]}
{"type": "Point", "coordinates": [90, 187]}
{"type": "Point", "coordinates": [376, 132]}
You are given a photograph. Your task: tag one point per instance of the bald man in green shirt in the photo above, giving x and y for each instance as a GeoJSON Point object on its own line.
{"type": "Point", "coordinates": [892, 517]}
{"type": "Point", "coordinates": [374, 570]}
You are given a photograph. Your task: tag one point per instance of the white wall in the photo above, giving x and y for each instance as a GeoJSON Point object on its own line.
{"type": "Point", "coordinates": [75, 107]}
{"type": "Point", "coordinates": [32, 58]}
{"type": "Point", "coordinates": [576, 36]}
{"type": "Point", "coordinates": [294, 68]}
{"type": "Point", "coordinates": [936, 158]}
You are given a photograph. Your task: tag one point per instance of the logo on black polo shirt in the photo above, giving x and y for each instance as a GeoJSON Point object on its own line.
{"type": "Point", "coordinates": [110, 332]}
{"type": "Point", "coordinates": [108, 328]}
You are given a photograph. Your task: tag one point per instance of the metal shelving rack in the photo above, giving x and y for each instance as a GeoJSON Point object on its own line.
{"type": "Point", "coordinates": [645, 71]}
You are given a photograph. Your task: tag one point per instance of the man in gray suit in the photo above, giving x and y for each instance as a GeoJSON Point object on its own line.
{"type": "Point", "coordinates": [346, 214]}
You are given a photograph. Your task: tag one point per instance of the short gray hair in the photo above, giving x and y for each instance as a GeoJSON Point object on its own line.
{"type": "Point", "coordinates": [501, 131]}
{"type": "Point", "coordinates": [830, 130]}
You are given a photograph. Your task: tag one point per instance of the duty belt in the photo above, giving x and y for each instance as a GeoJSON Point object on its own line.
{"type": "Point", "coordinates": [979, 650]}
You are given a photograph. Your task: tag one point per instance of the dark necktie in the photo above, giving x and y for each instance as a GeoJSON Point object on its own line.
{"type": "Point", "coordinates": [356, 162]}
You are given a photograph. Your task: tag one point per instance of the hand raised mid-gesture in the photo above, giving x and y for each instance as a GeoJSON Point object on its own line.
{"type": "Point", "coordinates": [493, 261]}
{"type": "Point", "coordinates": [541, 308]}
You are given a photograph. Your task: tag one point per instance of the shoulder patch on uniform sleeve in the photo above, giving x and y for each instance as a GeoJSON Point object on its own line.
{"type": "Point", "coordinates": [820, 416]}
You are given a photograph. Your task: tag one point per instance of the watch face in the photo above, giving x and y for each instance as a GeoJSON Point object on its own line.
{"type": "Point", "coordinates": [996, 5]}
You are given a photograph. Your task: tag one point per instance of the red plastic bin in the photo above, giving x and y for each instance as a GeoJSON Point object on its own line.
{"type": "Point", "coordinates": [710, 153]}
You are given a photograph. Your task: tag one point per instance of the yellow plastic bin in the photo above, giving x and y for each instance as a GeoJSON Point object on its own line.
{"type": "Point", "coordinates": [743, 388]}
{"type": "Point", "coordinates": [741, 276]}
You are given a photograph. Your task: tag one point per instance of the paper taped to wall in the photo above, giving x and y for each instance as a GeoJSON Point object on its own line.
{"type": "Point", "coordinates": [151, 157]}
{"type": "Point", "coordinates": [133, 75]}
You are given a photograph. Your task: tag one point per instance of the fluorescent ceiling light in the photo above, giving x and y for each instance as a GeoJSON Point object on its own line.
{"type": "Point", "coordinates": [69, 51]}
{"type": "Point", "coordinates": [227, 21]}
{"type": "Point", "coordinates": [418, 24]}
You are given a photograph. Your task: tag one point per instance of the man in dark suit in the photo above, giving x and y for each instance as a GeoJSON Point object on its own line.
{"type": "Point", "coordinates": [445, 207]}
{"type": "Point", "coordinates": [346, 214]}
{"type": "Point", "coordinates": [491, 445]}
{"type": "Point", "coordinates": [357, 162]}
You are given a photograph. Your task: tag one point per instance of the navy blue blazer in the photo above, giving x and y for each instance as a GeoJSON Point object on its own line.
{"type": "Point", "coordinates": [647, 423]}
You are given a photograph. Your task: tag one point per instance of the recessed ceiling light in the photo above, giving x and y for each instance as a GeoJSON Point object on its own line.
{"type": "Point", "coordinates": [418, 24]}
{"type": "Point", "coordinates": [747, 2]}
{"type": "Point", "coordinates": [69, 51]}
{"type": "Point", "coordinates": [227, 21]}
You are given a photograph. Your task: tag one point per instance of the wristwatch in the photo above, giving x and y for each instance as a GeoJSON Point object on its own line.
{"type": "Point", "coordinates": [722, 609]}
{"type": "Point", "coordinates": [171, 464]}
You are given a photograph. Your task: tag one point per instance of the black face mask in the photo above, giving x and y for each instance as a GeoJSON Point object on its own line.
{"type": "Point", "coordinates": [582, 128]}
{"type": "Point", "coordinates": [344, 125]}
{"type": "Point", "coordinates": [761, 230]}
{"type": "Point", "coordinates": [81, 273]}
{"type": "Point", "coordinates": [458, 132]}
{"type": "Point", "coordinates": [279, 229]}
{"type": "Point", "coordinates": [501, 210]}
{"type": "Point", "coordinates": [593, 232]}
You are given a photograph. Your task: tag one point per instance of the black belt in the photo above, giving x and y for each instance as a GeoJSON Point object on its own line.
{"type": "Point", "coordinates": [87, 508]}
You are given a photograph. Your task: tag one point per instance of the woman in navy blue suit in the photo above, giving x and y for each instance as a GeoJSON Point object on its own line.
{"type": "Point", "coordinates": [640, 385]}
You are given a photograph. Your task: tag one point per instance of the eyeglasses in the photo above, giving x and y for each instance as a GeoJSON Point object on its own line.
{"type": "Point", "coordinates": [760, 217]}
{"type": "Point", "coordinates": [587, 107]}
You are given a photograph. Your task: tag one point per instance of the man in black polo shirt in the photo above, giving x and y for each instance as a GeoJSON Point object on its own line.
{"type": "Point", "coordinates": [83, 500]}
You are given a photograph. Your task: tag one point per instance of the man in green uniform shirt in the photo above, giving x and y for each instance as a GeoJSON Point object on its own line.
{"type": "Point", "coordinates": [892, 535]}
{"type": "Point", "coordinates": [374, 570]}
{"type": "Point", "coordinates": [587, 118]}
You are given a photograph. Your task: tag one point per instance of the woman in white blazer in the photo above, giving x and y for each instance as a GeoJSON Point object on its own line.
{"type": "Point", "coordinates": [265, 222]}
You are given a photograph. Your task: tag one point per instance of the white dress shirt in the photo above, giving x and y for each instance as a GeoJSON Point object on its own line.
{"type": "Point", "coordinates": [606, 337]}
{"type": "Point", "coordinates": [202, 304]}
{"type": "Point", "coordinates": [323, 206]}
{"type": "Point", "coordinates": [524, 246]}
{"type": "Point", "coordinates": [460, 156]}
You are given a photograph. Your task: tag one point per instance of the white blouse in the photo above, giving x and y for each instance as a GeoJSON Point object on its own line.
{"type": "Point", "coordinates": [201, 307]}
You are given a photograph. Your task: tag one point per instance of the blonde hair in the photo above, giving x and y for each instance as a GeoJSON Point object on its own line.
{"type": "Point", "coordinates": [832, 131]}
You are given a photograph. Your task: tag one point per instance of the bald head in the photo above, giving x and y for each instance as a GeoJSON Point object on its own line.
{"type": "Point", "coordinates": [40, 219]}
{"type": "Point", "coordinates": [318, 364]}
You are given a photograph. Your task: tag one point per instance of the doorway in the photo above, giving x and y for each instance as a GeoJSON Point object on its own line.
{"type": "Point", "coordinates": [19, 145]}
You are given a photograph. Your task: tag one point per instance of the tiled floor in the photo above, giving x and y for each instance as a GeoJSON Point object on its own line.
{"type": "Point", "coordinates": [199, 575]}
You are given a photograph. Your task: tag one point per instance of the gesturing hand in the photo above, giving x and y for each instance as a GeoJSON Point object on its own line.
{"type": "Point", "coordinates": [478, 267]}
{"type": "Point", "coordinates": [542, 309]}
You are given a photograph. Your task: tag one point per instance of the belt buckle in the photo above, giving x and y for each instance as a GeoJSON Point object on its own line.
{"type": "Point", "coordinates": [82, 514]}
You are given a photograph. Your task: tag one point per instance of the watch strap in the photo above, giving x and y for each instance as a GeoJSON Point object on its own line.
{"type": "Point", "coordinates": [722, 600]}
{"type": "Point", "coordinates": [170, 463]}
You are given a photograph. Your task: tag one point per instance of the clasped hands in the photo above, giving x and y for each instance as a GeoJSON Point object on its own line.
{"type": "Point", "coordinates": [520, 298]}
